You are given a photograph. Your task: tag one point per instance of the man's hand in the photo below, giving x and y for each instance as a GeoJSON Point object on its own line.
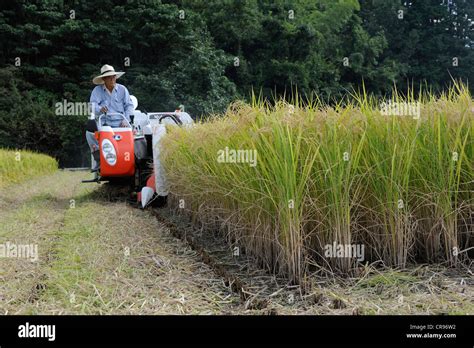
{"type": "Point", "coordinates": [104, 109]}
{"type": "Point", "coordinates": [123, 124]}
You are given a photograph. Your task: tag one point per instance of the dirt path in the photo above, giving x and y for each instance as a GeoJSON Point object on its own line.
{"type": "Point", "coordinates": [98, 257]}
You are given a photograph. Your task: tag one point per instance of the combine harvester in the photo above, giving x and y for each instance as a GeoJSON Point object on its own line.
{"type": "Point", "coordinates": [131, 154]}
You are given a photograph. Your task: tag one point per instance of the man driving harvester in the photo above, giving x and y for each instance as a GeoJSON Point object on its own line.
{"type": "Point", "coordinates": [108, 97]}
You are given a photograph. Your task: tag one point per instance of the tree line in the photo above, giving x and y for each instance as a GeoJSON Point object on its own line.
{"type": "Point", "coordinates": [206, 54]}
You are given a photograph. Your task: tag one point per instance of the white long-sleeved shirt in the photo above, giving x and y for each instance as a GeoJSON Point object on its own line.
{"type": "Point", "coordinates": [117, 101]}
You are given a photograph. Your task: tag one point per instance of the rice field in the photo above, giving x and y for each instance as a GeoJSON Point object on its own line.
{"type": "Point", "coordinates": [18, 165]}
{"type": "Point", "coordinates": [307, 187]}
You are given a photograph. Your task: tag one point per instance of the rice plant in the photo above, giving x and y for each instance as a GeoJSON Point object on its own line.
{"type": "Point", "coordinates": [399, 185]}
{"type": "Point", "coordinates": [18, 165]}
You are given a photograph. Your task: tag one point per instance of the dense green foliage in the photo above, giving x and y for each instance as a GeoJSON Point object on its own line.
{"type": "Point", "coordinates": [206, 55]}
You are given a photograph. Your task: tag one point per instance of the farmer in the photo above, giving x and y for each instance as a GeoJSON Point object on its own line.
{"type": "Point", "coordinates": [108, 97]}
{"type": "Point", "coordinates": [183, 116]}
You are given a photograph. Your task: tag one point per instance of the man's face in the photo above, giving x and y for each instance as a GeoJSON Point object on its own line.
{"type": "Point", "coordinates": [110, 81]}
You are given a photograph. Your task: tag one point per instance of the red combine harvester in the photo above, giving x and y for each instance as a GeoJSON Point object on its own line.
{"type": "Point", "coordinates": [130, 154]}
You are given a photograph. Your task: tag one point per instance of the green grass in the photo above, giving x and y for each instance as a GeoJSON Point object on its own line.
{"type": "Point", "coordinates": [401, 186]}
{"type": "Point", "coordinates": [389, 278]}
{"type": "Point", "coordinates": [16, 166]}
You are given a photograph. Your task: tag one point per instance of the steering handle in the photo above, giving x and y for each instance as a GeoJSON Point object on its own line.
{"type": "Point", "coordinates": [113, 114]}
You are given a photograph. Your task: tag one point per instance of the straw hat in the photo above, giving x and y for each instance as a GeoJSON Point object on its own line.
{"type": "Point", "coordinates": [106, 70]}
